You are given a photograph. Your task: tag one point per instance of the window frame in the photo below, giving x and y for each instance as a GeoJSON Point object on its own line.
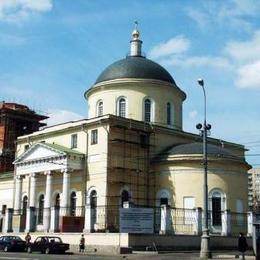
{"type": "Point", "coordinates": [94, 137]}
{"type": "Point", "coordinates": [151, 112]}
{"type": "Point", "coordinates": [40, 209]}
{"type": "Point", "coordinates": [74, 141]}
{"type": "Point", "coordinates": [100, 108]}
{"type": "Point", "coordinates": [119, 107]}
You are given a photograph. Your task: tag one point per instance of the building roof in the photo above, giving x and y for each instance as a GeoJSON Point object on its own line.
{"type": "Point", "coordinates": [197, 148]}
{"type": "Point", "coordinates": [63, 149]}
{"type": "Point", "coordinates": [135, 67]}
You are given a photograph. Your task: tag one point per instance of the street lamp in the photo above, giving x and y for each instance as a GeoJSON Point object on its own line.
{"type": "Point", "coordinates": [205, 239]}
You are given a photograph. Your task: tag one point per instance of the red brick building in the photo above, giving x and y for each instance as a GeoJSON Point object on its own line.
{"type": "Point", "coordinates": [15, 120]}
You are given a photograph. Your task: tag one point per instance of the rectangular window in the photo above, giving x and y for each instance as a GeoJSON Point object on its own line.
{"type": "Point", "coordinates": [94, 136]}
{"type": "Point", "coordinates": [216, 211]}
{"type": "Point", "coordinates": [188, 204]}
{"type": "Point", "coordinates": [74, 141]}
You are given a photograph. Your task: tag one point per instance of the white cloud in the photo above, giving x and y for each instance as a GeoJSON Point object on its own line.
{"type": "Point", "coordinates": [208, 61]}
{"type": "Point", "coordinates": [201, 18]}
{"type": "Point", "coordinates": [246, 58]}
{"type": "Point", "coordinates": [58, 116]}
{"type": "Point", "coordinates": [234, 13]}
{"type": "Point", "coordinates": [19, 10]}
{"type": "Point", "coordinates": [249, 75]}
{"type": "Point", "coordinates": [178, 44]}
{"type": "Point", "coordinates": [246, 50]}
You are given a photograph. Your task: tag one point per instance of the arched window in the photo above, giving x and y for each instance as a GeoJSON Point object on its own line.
{"type": "Point", "coordinates": [216, 209]}
{"type": "Point", "coordinates": [93, 208]}
{"type": "Point", "coordinates": [124, 197]}
{"type": "Point", "coordinates": [169, 113]}
{"type": "Point", "coordinates": [122, 107]}
{"type": "Point", "coordinates": [73, 199]}
{"type": "Point", "coordinates": [217, 205]}
{"type": "Point", "coordinates": [100, 108]}
{"type": "Point", "coordinates": [57, 200]}
{"type": "Point", "coordinates": [25, 204]}
{"type": "Point", "coordinates": [40, 209]}
{"type": "Point", "coordinates": [163, 198]}
{"type": "Point", "coordinates": [147, 110]}
{"type": "Point", "coordinates": [93, 199]}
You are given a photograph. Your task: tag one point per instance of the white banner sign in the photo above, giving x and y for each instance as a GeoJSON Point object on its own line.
{"type": "Point", "coordinates": [136, 220]}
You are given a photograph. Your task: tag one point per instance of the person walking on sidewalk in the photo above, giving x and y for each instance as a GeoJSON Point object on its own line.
{"type": "Point", "coordinates": [82, 243]}
{"type": "Point", "coordinates": [242, 245]}
{"type": "Point", "coordinates": [28, 239]}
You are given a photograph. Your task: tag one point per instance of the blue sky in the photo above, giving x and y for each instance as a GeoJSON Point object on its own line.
{"type": "Point", "coordinates": [52, 51]}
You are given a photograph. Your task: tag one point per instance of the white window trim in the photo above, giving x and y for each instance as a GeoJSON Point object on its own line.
{"type": "Point", "coordinates": [163, 193]}
{"type": "Point", "coordinates": [172, 119]}
{"type": "Point", "coordinates": [126, 105]}
{"type": "Point", "coordinates": [97, 108]}
{"type": "Point", "coordinates": [152, 108]}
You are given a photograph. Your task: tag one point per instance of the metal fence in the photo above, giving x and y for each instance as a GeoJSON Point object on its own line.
{"type": "Point", "coordinates": [238, 223]}
{"type": "Point", "coordinates": [179, 220]}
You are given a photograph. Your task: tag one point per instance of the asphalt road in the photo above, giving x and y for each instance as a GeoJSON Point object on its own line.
{"type": "Point", "coordinates": [139, 256]}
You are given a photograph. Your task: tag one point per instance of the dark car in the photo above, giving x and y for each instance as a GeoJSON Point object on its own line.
{"type": "Point", "coordinates": [47, 245]}
{"type": "Point", "coordinates": [12, 243]}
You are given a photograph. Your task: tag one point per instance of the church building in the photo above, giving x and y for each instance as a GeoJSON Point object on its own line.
{"type": "Point", "coordinates": [131, 151]}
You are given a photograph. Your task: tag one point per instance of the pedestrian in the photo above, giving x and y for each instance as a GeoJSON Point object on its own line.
{"type": "Point", "coordinates": [28, 239]}
{"type": "Point", "coordinates": [82, 243]}
{"type": "Point", "coordinates": [242, 245]}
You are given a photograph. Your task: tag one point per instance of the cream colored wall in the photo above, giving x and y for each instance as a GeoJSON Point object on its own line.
{"type": "Point", "coordinates": [135, 93]}
{"type": "Point", "coordinates": [128, 166]}
{"type": "Point", "coordinates": [105, 156]}
{"type": "Point", "coordinates": [93, 176]}
{"type": "Point", "coordinates": [97, 162]}
{"type": "Point", "coordinates": [6, 192]}
{"type": "Point", "coordinates": [186, 180]}
{"type": "Point", "coordinates": [62, 138]}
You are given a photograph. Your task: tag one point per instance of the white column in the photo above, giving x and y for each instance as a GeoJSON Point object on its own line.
{"type": "Point", "coordinates": [250, 220]}
{"type": "Point", "coordinates": [87, 224]}
{"type": "Point", "coordinates": [32, 190]}
{"type": "Point", "coordinates": [18, 193]}
{"type": "Point", "coordinates": [8, 220]}
{"type": "Point", "coordinates": [226, 223]}
{"type": "Point", "coordinates": [165, 219]}
{"type": "Point", "coordinates": [52, 224]}
{"type": "Point", "coordinates": [30, 216]}
{"type": "Point", "coordinates": [65, 192]}
{"type": "Point", "coordinates": [197, 221]}
{"type": "Point", "coordinates": [47, 201]}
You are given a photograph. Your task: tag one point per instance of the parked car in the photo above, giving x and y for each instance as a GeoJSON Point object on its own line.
{"type": "Point", "coordinates": [47, 245]}
{"type": "Point", "coordinates": [12, 243]}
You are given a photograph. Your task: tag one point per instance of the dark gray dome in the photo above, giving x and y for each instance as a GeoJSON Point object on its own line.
{"type": "Point", "coordinates": [135, 67]}
{"type": "Point", "coordinates": [197, 148]}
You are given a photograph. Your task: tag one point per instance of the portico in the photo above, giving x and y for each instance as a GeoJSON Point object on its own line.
{"type": "Point", "coordinates": [42, 163]}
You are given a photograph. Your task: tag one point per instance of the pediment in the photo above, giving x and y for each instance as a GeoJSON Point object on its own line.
{"type": "Point", "coordinates": [37, 152]}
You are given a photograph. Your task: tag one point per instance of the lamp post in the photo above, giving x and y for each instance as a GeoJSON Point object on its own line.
{"type": "Point", "coordinates": [205, 239]}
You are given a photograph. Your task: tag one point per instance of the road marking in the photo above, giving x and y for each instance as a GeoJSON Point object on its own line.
{"type": "Point", "coordinates": [18, 258]}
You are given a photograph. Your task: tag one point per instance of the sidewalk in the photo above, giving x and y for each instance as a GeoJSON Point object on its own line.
{"type": "Point", "coordinates": [188, 255]}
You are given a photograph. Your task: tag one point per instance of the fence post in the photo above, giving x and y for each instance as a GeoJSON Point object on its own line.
{"type": "Point", "coordinates": [87, 225]}
{"type": "Point", "coordinates": [197, 221]}
{"type": "Point", "coordinates": [55, 219]}
{"type": "Point", "coordinates": [165, 219]}
{"type": "Point", "coordinates": [8, 227]}
{"type": "Point", "coordinates": [250, 220]}
{"type": "Point", "coordinates": [30, 219]}
{"type": "Point", "coordinates": [226, 223]}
